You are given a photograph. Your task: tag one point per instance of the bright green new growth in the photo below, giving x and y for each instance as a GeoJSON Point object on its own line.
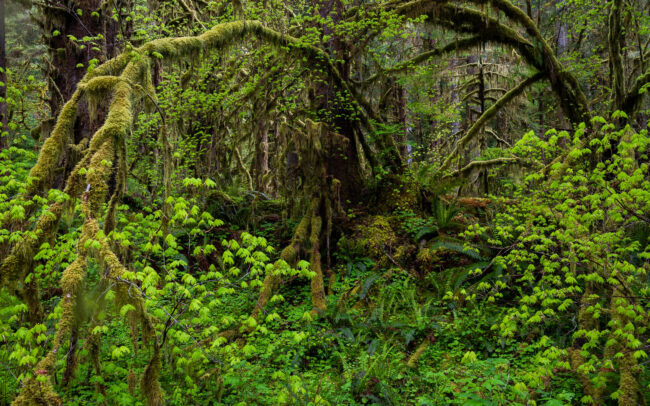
{"type": "Point", "coordinates": [124, 79]}
{"type": "Point", "coordinates": [409, 290]}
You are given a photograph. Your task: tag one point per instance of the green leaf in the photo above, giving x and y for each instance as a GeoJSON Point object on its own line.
{"type": "Point", "coordinates": [126, 308]}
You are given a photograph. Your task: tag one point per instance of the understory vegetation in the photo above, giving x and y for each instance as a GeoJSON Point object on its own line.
{"type": "Point", "coordinates": [324, 202]}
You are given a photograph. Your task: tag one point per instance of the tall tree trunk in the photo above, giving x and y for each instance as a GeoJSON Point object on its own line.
{"type": "Point", "coordinates": [616, 45]}
{"type": "Point", "coordinates": [343, 164]}
{"type": "Point", "coordinates": [562, 38]}
{"type": "Point", "coordinates": [4, 116]}
{"type": "Point", "coordinates": [401, 115]}
{"type": "Point", "coordinates": [65, 24]}
{"type": "Point", "coordinates": [261, 155]}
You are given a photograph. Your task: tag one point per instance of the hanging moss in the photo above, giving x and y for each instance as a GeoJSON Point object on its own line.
{"type": "Point", "coordinates": [100, 169]}
{"type": "Point", "coordinates": [149, 383]}
{"type": "Point", "coordinates": [39, 389]}
{"type": "Point", "coordinates": [317, 284]}
{"type": "Point", "coordinates": [133, 67]}
{"type": "Point", "coordinates": [629, 388]}
{"type": "Point", "coordinates": [124, 79]}
{"type": "Point", "coordinates": [93, 343]}
{"type": "Point", "coordinates": [290, 255]}
{"type": "Point", "coordinates": [16, 266]}
{"type": "Point", "coordinates": [72, 284]}
{"type": "Point", "coordinates": [110, 218]}
{"type": "Point", "coordinates": [101, 151]}
{"type": "Point", "coordinates": [97, 90]}
{"type": "Point", "coordinates": [115, 272]}
{"type": "Point", "coordinates": [42, 172]}
{"type": "Point", "coordinates": [576, 359]}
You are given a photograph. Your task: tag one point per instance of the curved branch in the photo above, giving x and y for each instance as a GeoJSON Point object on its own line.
{"type": "Point", "coordinates": [480, 165]}
{"type": "Point", "coordinates": [572, 98]}
{"type": "Point", "coordinates": [461, 44]}
{"type": "Point", "coordinates": [471, 21]}
{"type": "Point", "coordinates": [540, 55]}
{"type": "Point", "coordinates": [488, 114]}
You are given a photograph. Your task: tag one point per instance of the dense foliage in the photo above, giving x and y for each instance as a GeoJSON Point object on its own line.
{"type": "Point", "coordinates": [325, 202]}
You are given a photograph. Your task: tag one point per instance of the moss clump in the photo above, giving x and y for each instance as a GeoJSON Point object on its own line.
{"type": "Point", "coordinates": [375, 237]}
{"type": "Point", "coordinates": [100, 168]}
{"type": "Point", "coordinates": [415, 357]}
{"type": "Point", "coordinates": [440, 258]}
{"type": "Point", "coordinates": [53, 147]}
{"type": "Point", "coordinates": [37, 392]}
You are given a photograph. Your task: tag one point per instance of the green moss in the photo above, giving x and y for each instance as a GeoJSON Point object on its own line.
{"type": "Point", "coordinates": [97, 176]}
{"type": "Point", "coordinates": [126, 78]}
{"type": "Point", "coordinates": [110, 218]}
{"type": "Point", "coordinates": [487, 115]}
{"type": "Point", "coordinates": [413, 359]}
{"type": "Point", "coordinates": [118, 120]}
{"type": "Point", "coordinates": [16, 264]}
{"type": "Point", "coordinates": [51, 150]}
{"type": "Point", "coordinates": [628, 386]}
{"type": "Point", "coordinates": [37, 392]}
{"type": "Point", "coordinates": [375, 237]}
{"type": "Point", "coordinates": [149, 383]}
{"type": "Point", "coordinates": [317, 284]}
{"type": "Point", "coordinates": [97, 90]}
{"type": "Point", "coordinates": [437, 258]}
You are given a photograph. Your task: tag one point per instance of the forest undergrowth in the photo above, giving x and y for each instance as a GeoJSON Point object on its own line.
{"type": "Point", "coordinates": [441, 301]}
{"type": "Point", "coordinates": [320, 202]}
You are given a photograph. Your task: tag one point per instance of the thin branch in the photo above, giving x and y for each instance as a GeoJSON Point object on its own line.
{"type": "Point", "coordinates": [461, 44]}
{"type": "Point", "coordinates": [488, 114]}
{"type": "Point", "coordinates": [480, 165]}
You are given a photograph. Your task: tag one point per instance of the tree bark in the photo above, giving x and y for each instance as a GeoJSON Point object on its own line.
{"type": "Point", "coordinates": [343, 164]}
{"type": "Point", "coordinates": [4, 116]}
{"type": "Point", "coordinates": [64, 25]}
{"type": "Point", "coordinates": [615, 55]}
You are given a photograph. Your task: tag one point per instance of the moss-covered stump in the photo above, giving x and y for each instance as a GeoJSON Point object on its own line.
{"type": "Point", "coordinates": [431, 259]}
{"type": "Point", "coordinates": [380, 239]}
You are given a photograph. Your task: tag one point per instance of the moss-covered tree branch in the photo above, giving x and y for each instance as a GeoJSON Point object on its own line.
{"type": "Point", "coordinates": [487, 115]}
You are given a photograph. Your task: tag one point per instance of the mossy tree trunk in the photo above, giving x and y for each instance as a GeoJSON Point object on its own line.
{"type": "Point", "coordinates": [4, 116]}
{"type": "Point", "coordinates": [616, 42]}
{"type": "Point", "coordinates": [343, 164]}
{"type": "Point", "coordinates": [261, 138]}
{"type": "Point", "coordinates": [79, 34]}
